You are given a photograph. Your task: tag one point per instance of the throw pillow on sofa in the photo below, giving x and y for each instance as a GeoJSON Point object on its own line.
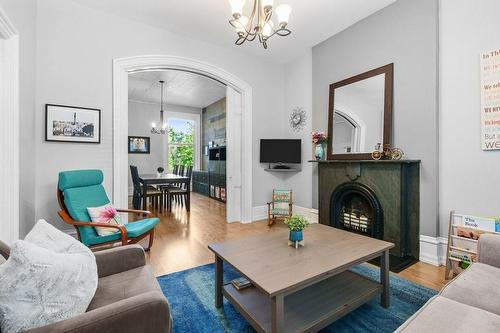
{"type": "Point", "coordinates": [48, 277]}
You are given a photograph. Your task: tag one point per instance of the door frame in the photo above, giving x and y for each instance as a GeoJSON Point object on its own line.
{"type": "Point", "coordinates": [122, 67]}
{"type": "Point", "coordinates": [9, 104]}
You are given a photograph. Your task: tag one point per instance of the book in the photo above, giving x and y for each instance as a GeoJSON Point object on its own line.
{"type": "Point", "coordinates": [482, 223]}
{"type": "Point", "coordinates": [241, 283]}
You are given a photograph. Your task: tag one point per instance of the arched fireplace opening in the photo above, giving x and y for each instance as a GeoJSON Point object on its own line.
{"type": "Point", "coordinates": [355, 207]}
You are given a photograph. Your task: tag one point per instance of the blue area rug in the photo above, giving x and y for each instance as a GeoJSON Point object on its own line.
{"type": "Point", "coordinates": [191, 297]}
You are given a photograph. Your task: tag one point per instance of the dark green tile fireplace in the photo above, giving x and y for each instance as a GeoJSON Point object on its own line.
{"type": "Point", "coordinates": [377, 198]}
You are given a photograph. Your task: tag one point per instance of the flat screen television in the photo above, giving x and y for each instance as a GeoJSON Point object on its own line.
{"type": "Point", "coordinates": [280, 151]}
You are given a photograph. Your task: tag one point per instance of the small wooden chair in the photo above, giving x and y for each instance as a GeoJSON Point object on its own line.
{"type": "Point", "coordinates": [281, 206]}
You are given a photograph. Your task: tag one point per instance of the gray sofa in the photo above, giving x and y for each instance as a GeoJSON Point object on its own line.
{"type": "Point", "coordinates": [470, 302]}
{"type": "Point", "coordinates": [128, 297]}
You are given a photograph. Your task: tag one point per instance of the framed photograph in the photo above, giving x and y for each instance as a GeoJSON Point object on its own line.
{"type": "Point", "coordinates": [72, 124]}
{"type": "Point", "coordinates": [139, 145]}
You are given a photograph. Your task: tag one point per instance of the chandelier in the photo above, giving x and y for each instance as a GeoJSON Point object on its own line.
{"type": "Point", "coordinates": [163, 129]}
{"type": "Point", "coordinates": [259, 24]}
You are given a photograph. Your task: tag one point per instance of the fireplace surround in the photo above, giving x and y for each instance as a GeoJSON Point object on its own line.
{"type": "Point", "coordinates": [379, 199]}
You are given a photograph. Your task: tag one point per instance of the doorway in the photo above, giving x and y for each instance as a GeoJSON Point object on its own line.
{"type": "Point", "coordinates": [239, 137]}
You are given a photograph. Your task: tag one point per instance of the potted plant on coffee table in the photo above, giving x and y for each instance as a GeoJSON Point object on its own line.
{"type": "Point", "coordinates": [296, 224]}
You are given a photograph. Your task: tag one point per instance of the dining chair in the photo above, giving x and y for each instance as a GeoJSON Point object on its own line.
{"type": "Point", "coordinates": [179, 193]}
{"type": "Point", "coordinates": [78, 190]}
{"type": "Point", "coordinates": [154, 194]}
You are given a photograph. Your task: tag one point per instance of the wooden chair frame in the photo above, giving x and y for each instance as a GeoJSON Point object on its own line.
{"type": "Point", "coordinates": [125, 240]}
{"type": "Point", "coordinates": [271, 218]}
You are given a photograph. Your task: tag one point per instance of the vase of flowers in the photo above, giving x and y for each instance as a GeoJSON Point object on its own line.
{"type": "Point", "coordinates": [296, 224]}
{"type": "Point", "coordinates": [319, 139]}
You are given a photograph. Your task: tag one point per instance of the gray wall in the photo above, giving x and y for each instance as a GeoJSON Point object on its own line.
{"type": "Point", "coordinates": [22, 13]}
{"type": "Point", "coordinates": [213, 127]}
{"type": "Point", "coordinates": [75, 49]}
{"type": "Point", "coordinates": [405, 34]}
{"type": "Point", "coordinates": [469, 176]}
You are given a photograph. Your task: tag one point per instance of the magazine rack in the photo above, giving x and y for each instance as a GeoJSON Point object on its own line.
{"type": "Point", "coordinates": [463, 235]}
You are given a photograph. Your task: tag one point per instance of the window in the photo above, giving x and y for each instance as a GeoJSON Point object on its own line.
{"type": "Point", "coordinates": [181, 148]}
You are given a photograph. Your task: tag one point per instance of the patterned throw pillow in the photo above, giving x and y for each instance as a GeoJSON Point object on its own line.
{"type": "Point", "coordinates": [49, 277]}
{"type": "Point", "coordinates": [104, 214]}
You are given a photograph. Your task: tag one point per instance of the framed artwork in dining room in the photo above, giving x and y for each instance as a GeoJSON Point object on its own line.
{"type": "Point", "coordinates": [65, 123]}
{"type": "Point", "coordinates": [139, 145]}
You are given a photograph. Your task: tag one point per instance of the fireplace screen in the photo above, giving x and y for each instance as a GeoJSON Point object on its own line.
{"type": "Point", "coordinates": [354, 207]}
{"type": "Point", "coordinates": [356, 215]}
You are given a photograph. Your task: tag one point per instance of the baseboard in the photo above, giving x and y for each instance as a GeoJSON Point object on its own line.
{"type": "Point", "coordinates": [259, 213]}
{"type": "Point", "coordinates": [433, 250]}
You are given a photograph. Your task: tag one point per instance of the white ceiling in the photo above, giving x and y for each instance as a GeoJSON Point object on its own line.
{"type": "Point", "coordinates": [311, 21]}
{"type": "Point", "coordinates": [181, 88]}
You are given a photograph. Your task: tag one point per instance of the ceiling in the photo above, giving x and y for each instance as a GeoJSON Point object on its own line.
{"type": "Point", "coordinates": [181, 88]}
{"type": "Point", "coordinates": [311, 21]}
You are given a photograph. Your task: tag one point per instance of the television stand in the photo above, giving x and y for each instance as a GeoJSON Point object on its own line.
{"type": "Point", "coordinates": [280, 167]}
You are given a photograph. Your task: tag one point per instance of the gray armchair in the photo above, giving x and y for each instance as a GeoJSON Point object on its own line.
{"type": "Point", "coordinates": [128, 297]}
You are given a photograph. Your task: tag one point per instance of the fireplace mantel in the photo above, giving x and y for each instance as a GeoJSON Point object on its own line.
{"type": "Point", "coordinates": [396, 185]}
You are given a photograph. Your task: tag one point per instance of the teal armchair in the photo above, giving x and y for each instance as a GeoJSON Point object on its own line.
{"type": "Point", "coordinates": [80, 189]}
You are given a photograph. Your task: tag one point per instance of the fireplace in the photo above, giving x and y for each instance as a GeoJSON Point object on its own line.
{"type": "Point", "coordinates": [379, 199]}
{"type": "Point", "coordinates": [354, 207]}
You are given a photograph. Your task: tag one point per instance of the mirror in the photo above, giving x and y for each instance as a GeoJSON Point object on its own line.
{"type": "Point", "coordinates": [360, 114]}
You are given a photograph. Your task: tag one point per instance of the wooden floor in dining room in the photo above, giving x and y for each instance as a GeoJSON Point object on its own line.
{"type": "Point", "coordinates": [181, 240]}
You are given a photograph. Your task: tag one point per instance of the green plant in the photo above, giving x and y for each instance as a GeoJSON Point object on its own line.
{"type": "Point", "coordinates": [296, 222]}
{"type": "Point", "coordinates": [181, 148]}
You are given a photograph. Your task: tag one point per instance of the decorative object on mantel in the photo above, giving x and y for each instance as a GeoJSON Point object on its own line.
{"type": "Point", "coordinates": [298, 119]}
{"type": "Point", "coordinates": [260, 23]}
{"type": "Point", "coordinates": [387, 153]}
{"type": "Point", "coordinates": [296, 223]}
{"type": "Point", "coordinates": [319, 139]}
{"type": "Point", "coordinates": [490, 99]}
{"type": "Point", "coordinates": [163, 129]}
{"type": "Point", "coordinates": [72, 124]}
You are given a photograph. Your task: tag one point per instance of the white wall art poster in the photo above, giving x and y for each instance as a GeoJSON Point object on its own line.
{"type": "Point", "coordinates": [490, 100]}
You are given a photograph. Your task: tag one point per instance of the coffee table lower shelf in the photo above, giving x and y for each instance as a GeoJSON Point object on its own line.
{"type": "Point", "coordinates": [309, 309]}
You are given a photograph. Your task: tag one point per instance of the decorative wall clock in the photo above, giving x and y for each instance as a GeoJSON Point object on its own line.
{"type": "Point", "coordinates": [298, 118]}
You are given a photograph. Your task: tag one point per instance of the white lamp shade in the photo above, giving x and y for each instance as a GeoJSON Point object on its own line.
{"type": "Point", "coordinates": [268, 29]}
{"type": "Point", "coordinates": [283, 11]}
{"type": "Point", "coordinates": [267, 3]}
{"type": "Point", "coordinates": [242, 23]}
{"type": "Point", "coordinates": [237, 6]}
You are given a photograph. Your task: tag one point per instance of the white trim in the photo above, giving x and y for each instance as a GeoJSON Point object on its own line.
{"type": "Point", "coordinates": [9, 130]}
{"type": "Point", "coordinates": [433, 250]}
{"type": "Point", "coordinates": [123, 66]}
{"type": "Point", "coordinates": [260, 213]}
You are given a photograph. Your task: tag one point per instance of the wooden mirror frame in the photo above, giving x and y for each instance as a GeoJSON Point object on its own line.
{"type": "Point", "coordinates": [388, 70]}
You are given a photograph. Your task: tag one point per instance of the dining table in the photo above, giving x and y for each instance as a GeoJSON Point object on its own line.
{"type": "Point", "coordinates": [162, 179]}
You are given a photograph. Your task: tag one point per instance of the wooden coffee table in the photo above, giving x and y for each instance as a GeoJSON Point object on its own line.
{"type": "Point", "coordinates": [304, 289]}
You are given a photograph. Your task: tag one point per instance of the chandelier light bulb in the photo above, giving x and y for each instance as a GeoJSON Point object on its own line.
{"type": "Point", "coordinates": [164, 126]}
{"type": "Point", "coordinates": [283, 11]}
{"type": "Point", "coordinates": [237, 7]}
{"type": "Point", "coordinates": [153, 125]}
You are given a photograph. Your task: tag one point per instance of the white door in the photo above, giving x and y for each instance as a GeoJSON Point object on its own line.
{"type": "Point", "coordinates": [233, 153]}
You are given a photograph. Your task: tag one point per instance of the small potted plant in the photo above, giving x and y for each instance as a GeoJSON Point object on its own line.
{"type": "Point", "coordinates": [296, 223]}
{"type": "Point", "coordinates": [319, 139]}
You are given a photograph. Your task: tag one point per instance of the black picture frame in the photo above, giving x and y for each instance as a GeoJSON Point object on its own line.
{"type": "Point", "coordinates": [87, 130]}
{"type": "Point", "coordinates": [147, 145]}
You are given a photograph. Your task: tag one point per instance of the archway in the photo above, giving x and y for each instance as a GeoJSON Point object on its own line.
{"type": "Point", "coordinates": [239, 171]}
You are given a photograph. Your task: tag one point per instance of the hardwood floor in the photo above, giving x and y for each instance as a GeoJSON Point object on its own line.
{"type": "Point", "coordinates": [181, 240]}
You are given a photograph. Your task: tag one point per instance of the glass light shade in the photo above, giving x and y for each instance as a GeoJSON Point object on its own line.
{"type": "Point", "coordinates": [243, 21]}
{"type": "Point", "coordinates": [268, 29]}
{"type": "Point", "coordinates": [164, 126]}
{"type": "Point", "coordinates": [153, 125]}
{"type": "Point", "coordinates": [237, 6]}
{"type": "Point", "coordinates": [283, 11]}
{"type": "Point", "coordinates": [267, 3]}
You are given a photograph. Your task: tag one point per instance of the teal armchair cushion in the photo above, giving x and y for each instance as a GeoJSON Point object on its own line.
{"type": "Point", "coordinates": [82, 189]}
